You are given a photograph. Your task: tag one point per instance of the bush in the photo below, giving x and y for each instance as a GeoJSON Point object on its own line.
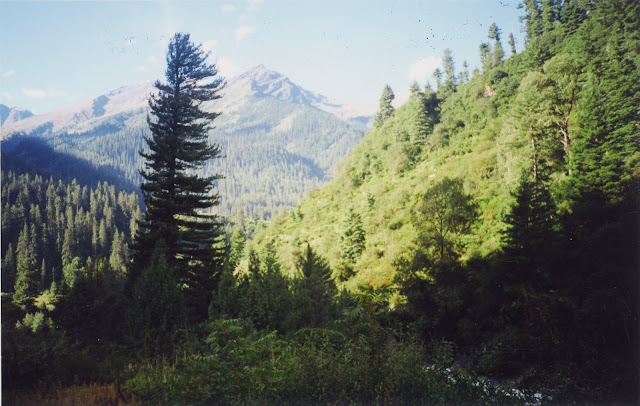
{"type": "Point", "coordinates": [313, 366]}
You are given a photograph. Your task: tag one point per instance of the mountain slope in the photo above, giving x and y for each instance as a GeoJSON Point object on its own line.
{"type": "Point", "coordinates": [278, 139]}
{"type": "Point", "coordinates": [492, 129]}
{"type": "Point", "coordinates": [387, 174]}
{"type": "Point", "coordinates": [509, 229]}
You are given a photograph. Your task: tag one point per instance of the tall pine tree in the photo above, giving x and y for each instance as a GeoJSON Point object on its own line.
{"type": "Point", "coordinates": [176, 197]}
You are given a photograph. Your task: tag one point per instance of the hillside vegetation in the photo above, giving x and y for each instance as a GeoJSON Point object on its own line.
{"type": "Point", "coordinates": [582, 82]}
{"type": "Point", "coordinates": [501, 213]}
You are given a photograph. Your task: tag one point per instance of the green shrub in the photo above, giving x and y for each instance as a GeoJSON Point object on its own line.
{"type": "Point", "coordinates": [312, 366]}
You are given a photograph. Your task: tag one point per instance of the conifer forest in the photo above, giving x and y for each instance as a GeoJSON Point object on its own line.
{"type": "Point", "coordinates": [478, 246]}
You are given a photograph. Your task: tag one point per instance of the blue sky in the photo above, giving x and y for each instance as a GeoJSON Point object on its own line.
{"type": "Point", "coordinates": [57, 53]}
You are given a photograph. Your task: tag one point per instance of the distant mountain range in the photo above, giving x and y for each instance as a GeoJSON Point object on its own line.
{"type": "Point", "coordinates": [279, 140]}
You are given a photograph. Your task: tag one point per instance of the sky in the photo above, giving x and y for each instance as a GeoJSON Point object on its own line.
{"type": "Point", "coordinates": [54, 54]}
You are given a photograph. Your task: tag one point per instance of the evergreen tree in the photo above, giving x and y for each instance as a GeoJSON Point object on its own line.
{"type": "Point", "coordinates": [91, 311]}
{"type": "Point", "coordinates": [118, 256]}
{"type": "Point", "coordinates": [156, 310]}
{"type": "Point", "coordinates": [8, 270]}
{"type": "Point", "coordinates": [103, 238]}
{"type": "Point", "coordinates": [571, 15]}
{"type": "Point", "coordinates": [485, 56]}
{"type": "Point", "coordinates": [548, 10]}
{"type": "Point", "coordinates": [414, 89]}
{"type": "Point", "coordinates": [498, 51]}
{"type": "Point", "coordinates": [314, 291]}
{"type": "Point", "coordinates": [236, 250]}
{"type": "Point", "coordinates": [564, 72]}
{"type": "Point", "coordinates": [270, 262]}
{"type": "Point", "coordinates": [95, 240]}
{"type": "Point", "coordinates": [464, 75]}
{"type": "Point", "coordinates": [602, 226]}
{"type": "Point", "coordinates": [532, 18]}
{"type": "Point", "coordinates": [27, 284]}
{"type": "Point", "coordinates": [512, 43]}
{"type": "Point", "coordinates": [607, 139]}
{"type": "Point", "coordinates": [267, 299]}
{"type": "Point", "coordinates": [450, 81]}
{"type": "Point", "coordinates": [437, 75]}
{"type": "Point", "coordinates": [421, 121]}
{"type": "Point", "coordinates": [532, 121]}
{"type": "Point", "coordinates": [45, 278]}
{"type": "Point", "coordinates": [226, 301]}
{"type": "Point", "coordinates": [68, 251]}
{"type": "Point", "coordinates": [530, 233]}
{"type": "Point", "coordinates": [386, 108]}
{"type": "Point", "coordinates": [271, 299]}
{"type": "Point", "coordinates": [175, 196]}
{"type": "Point", "coordinates": [531, 244]}
{"type": "Point", "coordinates": [71, 272]}
{"type": "Point", "coordinates": [24, 249]}
{"type": "Point", "coordinates": [253, 264]}
{"type": "Point", "coordinates": [352, 240]}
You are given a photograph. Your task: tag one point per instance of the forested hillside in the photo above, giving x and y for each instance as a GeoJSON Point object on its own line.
{"type": "Point", "coordinates": [562, 114]}
{"type": "Point", "coordinates": [502, 211]}
{"type": "Point", "coordinates": [57, 225]}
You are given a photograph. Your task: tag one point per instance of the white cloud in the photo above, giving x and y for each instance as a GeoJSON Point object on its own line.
{"type": "Point", "coordinates": [422, 70]}
{"type": "Point", "coordinates": [141, 68]}
{"type": "Point", "coordinates": [244, 31]}
{"type": "Point", "coordinates": [6, 96]}
{"type": "Point", "coordinates": [227, 8]}
{"type": "Point", "coordinates": [8, 73]}
{"type": "Point", "coordinates": [35, 93]}
{"type": "Point", "coordinates": [208, 46]}
{"type": "Point", "coordinates": [43, 94]}
{"type": "Point", "coordinates": [227, 67]}
{"type": "Point", "coordinates": [129, 42]}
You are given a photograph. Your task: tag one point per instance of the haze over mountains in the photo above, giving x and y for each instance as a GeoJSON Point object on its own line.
{"type": "Point", "coordinates": [279, 139]}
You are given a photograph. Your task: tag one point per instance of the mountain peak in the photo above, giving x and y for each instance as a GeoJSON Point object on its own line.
{"type": "Point", "coordinates": [12, 114]}
{"type": "Point", "coordinates": [261, 74]}
{"type": "Point", "coordinates": [264, 82]}
{"type": "Point", "coordinates": [258, 69]}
